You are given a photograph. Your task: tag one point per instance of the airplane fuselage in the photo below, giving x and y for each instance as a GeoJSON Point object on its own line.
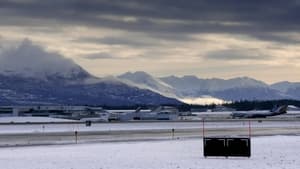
{"type": "Point", "coordinates": [260, 114]}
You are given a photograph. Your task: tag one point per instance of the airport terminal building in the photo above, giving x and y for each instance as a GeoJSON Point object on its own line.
{"type": "Point", "coordinates": [88, 113]}
{"type": "Point", "coordinates": [67, 112]}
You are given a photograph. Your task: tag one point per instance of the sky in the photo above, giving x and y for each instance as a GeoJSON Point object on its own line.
{"type": "Point", "coordinates": [206, 38]}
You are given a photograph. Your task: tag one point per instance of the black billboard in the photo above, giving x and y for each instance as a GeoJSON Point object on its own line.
{"type": "Point", "coordinates": [234, 147]}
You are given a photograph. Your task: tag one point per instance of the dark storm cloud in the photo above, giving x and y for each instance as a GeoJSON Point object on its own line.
{"type": "Point", "coordinates": [238, 54]}
{"type": "Point", "coordinates": [167, 17]}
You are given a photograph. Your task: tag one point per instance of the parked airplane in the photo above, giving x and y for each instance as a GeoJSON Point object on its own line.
{"type": "Point", "coordinates": [158, 113]}
{"type": "Point", "coordinates": [276, 110]}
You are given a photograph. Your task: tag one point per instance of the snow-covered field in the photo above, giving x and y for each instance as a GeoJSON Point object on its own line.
{"type": "Point", "coordinates": [36, 128]}
{"type": "Point", "coordinates": [273, 152]}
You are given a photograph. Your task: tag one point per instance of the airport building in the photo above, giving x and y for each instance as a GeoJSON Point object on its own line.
{"type": "Point", "coordinates": [87, 113]}
{"type": "Point", "coordinates": [66, 112]}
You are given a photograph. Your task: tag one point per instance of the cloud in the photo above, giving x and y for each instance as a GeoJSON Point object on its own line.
{"type": "Point", "coordinates": [279, 38]}
{"type": "Point", "coordinates": [30, 59]}
{"type": "Point", "coordinates": [127, 41]}
{"type": "Point", "coordinates": [238, 54]}
{"type": "Point", "coordinates": [101, 55]}
{"type": "Point", "coordinates": [105, 35]}
{"type": "Point", "coordinates": [160, 16]}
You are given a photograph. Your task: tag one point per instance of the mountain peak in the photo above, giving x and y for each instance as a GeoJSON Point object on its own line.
{"type": "Point", "coordinates": [137, 77]}
{"type": "Point", "coordinates": [144, 80]}
{"type": "Point", "coordinates": [284, 86]}
{"type": "Point", "coordinates": [282, 83]}
{"type": "Point", "coordinates": [190, 78]}
{"type": "Point", "coordinates": [30, 60]}
{"type": "Point", "coordinates": [247, 82]}
{"type": "Point", "coordinates": [137, 74]}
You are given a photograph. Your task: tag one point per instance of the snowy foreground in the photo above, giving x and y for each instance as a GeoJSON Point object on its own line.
{"type": "Point", "coordinates": [267, 152]}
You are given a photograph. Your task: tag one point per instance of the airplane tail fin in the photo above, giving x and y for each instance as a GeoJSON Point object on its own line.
{"type": "Point", "coordinates": [157, 109]}
{"type": "Point", "coordinates": [138, 109]}
{"type": "Point", "coordinates": [279, 109]}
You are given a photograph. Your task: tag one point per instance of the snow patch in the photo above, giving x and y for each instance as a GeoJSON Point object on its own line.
{"type": "Point", "coordinates": [203, 100]}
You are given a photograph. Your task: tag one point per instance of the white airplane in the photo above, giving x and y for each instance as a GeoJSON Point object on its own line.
{"type": "Point", "coordinates": [276, 110]}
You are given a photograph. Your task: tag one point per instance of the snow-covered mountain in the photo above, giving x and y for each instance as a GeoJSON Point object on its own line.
{"type": "Point", "coordinates": [146, 81]}
{"type": "Point", "coordinates": [289, 88]}
{"type": "Point", "coordinates": [285, 86]}
{"type": "Point", "coordinates": [241, 88]}
{"type": "Point", "coordinates": [190, 84]}
{"type": "Point", "coordinates": [192, 89]}
{"type": "Point", "coordinates": [31, 75]}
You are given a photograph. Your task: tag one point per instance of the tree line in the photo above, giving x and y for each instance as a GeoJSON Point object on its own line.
{"type": "Point", "coordinates": [243, 105]}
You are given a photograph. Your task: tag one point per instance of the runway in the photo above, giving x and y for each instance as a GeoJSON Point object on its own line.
{"type": "Point", "coordinates": [65, 133]}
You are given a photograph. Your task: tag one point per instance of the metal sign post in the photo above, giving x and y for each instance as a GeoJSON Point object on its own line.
{"type": "Point", "coordinates": [203, 127]}
{"type": "Point", "coordinates": [76, 137]}
{"type": "Point", "coordinates": [249, 129]}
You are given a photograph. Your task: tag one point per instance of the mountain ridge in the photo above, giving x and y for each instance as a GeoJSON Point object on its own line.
{"type": "Point", "coordinates": [234, 89]}
{"type": "Point", "coordinates": [31, 75]}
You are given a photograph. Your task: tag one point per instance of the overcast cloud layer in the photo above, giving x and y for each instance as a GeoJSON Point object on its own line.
{"type": "Point", "coordinates": [208, 38]}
